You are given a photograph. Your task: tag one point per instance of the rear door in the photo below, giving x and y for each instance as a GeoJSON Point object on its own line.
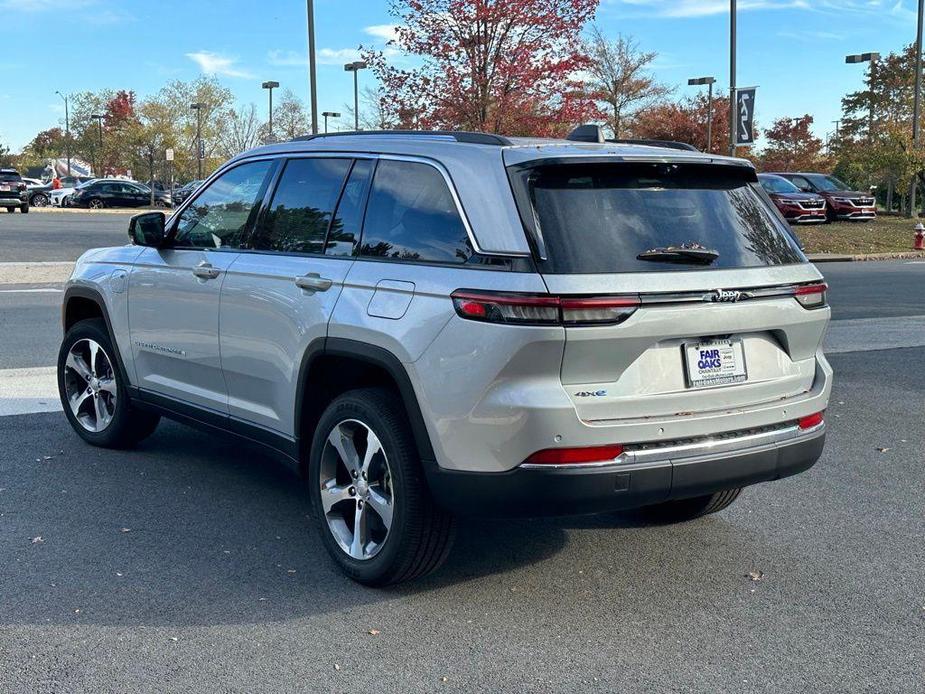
{"type": "Point", "coordinates": [280, 293]}
{"type": "Point", "coordinates": [700, 275]}
{"type": "Point", "coordinates": [174, 292]}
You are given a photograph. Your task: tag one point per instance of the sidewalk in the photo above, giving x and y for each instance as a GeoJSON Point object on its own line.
{"type": "Point", "coordinates": [839, 258]}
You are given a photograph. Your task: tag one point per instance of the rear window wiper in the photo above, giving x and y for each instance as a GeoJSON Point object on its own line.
{"type": "Point", "coordinates": [687, 253]}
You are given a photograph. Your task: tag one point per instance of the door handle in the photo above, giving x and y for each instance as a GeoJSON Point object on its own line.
{"type": "Point", "coordinates": [313, 282]}
{"type": "Point", "coordinates": [205, 271]}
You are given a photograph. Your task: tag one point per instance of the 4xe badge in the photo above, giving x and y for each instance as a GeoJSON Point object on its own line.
{"type": "Point", "coordinates": [591, 394]}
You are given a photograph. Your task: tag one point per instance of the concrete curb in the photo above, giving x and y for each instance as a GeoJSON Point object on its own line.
{"type": "Point", "coordinates": [863, 257]}
{"type": "Point", "coordinates": [80, 210]}
{"type": "Point", "coordinates": [49, 272]}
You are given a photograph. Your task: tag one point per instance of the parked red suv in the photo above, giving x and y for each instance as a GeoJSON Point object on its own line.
{"type": "Point", "coordinates": [842, 202]}
{"type": "Point", "coordinates": [797, 207]}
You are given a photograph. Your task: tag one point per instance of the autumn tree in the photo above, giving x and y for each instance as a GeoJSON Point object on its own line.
{"type": "Point", "coordinates": [504, 66]}
{"type": "Point", "coordinates": [620, 78]}
{"type": "Point", "coordinates": [240, 131]}
{"type": "Point", "coordinates": [290, 118]}
{"type": "Point", "coordinates": [791, 146]}
{"type": "Point", "coordinates": [685, 120]}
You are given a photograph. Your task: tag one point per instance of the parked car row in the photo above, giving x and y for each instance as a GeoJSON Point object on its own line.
{"type": "Point", "coordinates": [817, 198]}
{"type": "Point", "coordinates": [84, 191]}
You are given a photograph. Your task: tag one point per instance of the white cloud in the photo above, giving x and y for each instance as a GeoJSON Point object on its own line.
{"type": "Point", "coordinates": [216, 64]}
{"type": "Point", "coordinates": [384, 32]}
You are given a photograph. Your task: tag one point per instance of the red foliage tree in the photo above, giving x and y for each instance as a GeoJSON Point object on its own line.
{"type": "Point", "coordinates": [120, 108]}
{"type": "Point", "coordinates": [504, 66]}
{"type": "Point", "coordinates": [686, 121]}
{"type": "Point", "coordinates": [791, 146]}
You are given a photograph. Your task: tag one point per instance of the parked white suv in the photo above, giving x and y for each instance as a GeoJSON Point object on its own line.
{"type": "Point", "coordinates": [436, 324]}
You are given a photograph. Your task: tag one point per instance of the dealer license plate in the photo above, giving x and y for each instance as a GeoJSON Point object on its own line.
{"type": "Point", "coordinates": [715, 363]}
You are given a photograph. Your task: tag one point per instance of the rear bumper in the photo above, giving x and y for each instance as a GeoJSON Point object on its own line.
{"type": "Point", "coordinates": [648, 477]}
{"type": "Point", "coordinates": [13, 200]}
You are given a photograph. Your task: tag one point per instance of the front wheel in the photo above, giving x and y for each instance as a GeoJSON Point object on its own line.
{"type": "Point", "coordinates": [11, 210]}
{"type": "Point", "coordinates": [40, 200]}
{"type": "Point", "coordinates": [24, 208]}
{"type": "Point", "coordinates": [93, 394]}
{"type": "Point", "coordinates": [369, 496]}
{"type": "Point", "coordinates": [683, 510]}
{"type": "Point", "coordinates": [96, 204]}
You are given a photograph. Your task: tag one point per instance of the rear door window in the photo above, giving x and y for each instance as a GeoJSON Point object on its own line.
{"type": "Point", "coordinates": [302, 206]}
{"type": "Point", "coordinates": [599, 218]}
{"type": "Point", "coordinates": [412, 216]}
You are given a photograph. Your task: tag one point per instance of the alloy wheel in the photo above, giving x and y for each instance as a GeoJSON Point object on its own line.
{"type": "Point", "coordinates": [357, 495]}
{"type": "Point", "coordinates": [90, 385]}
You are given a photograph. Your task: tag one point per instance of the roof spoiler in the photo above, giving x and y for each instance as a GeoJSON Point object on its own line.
{"type": "Point", "coordinates": [587, 133]}
{"type": "Point", "coordinates": [595, 133]}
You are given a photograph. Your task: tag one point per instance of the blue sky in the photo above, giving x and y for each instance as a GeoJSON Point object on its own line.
{"type": "Point", "coordinates": [793, 49]}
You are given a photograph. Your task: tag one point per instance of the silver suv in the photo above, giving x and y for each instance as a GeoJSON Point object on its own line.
{"type": "Point", "coordinates": [436, 324]}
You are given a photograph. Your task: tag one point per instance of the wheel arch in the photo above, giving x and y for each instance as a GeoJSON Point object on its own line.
{"type": "Point", "coordinates": [323, 371]}
{"type": "Point", "coordinates": [83, 303]}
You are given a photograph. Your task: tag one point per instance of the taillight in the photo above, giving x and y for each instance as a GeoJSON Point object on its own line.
{"type": "Point", "coordinates": [540, 309]}
{"type": "Point", "coordinates": [812, 295]}
{"type": "Point", "coordinates": [811, 421]}
{"type": "Point", "coordinates": [575, 456]}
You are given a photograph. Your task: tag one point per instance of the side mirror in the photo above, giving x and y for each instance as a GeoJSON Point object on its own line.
{"type": "Point", "coordinates": [148, 229]}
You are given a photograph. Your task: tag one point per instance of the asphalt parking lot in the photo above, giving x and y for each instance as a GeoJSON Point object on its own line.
{"type": "Point", "coordinates": [190, 564]}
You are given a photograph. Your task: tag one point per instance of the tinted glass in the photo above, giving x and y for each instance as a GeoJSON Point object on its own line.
{"type": "Point", "coordinates": [412, 216]}
{"type": "Point", "coordinates": [302, 205]}
{"type": "Point", "coordinates": [218, 217]}
{"type": "Point", "coordinates": [599, 218]}
{"type": "Point", "coordinates": [345, 231]}
{"type": "Point", "coordinates": [8, 176]}
{"type": "Point", "coordinates": [828, 183]}
{"type": "Point", "coordinates": [800, 182]}
{"type": "Point", "coordinates": [776, 184]}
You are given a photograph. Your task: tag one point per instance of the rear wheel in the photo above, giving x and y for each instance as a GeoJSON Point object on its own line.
{"type": "Point", "coordinates": [24, 208]}
{"type": "Point", "coordinates": [369, 496]}
{"type": "Point", "coordinates": [11, 210]}
{"type": "Point", "coordinates": [39, 200]}
{"type": "Point", "coordinates": [93, 394]}
{"type": "Point", "coordinates": [96, 204]}
{"type": "Point", "coordinates": [689, 509]}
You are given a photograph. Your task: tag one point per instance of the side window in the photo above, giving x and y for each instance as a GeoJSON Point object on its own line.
{"type": "Point", "coordinates": [412, 216]}
{"type": "Point", "coordinates": [302, 206]}
{"type": "Point", "coordinates": [800, 182]}
{"type": "Point", "coordinates": [345, 231]}
{"type": "Point", "coordinates": [218, 218]}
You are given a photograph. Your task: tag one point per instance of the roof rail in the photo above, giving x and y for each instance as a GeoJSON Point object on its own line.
{"type": "Point", "coordinates": [471, 138]}
{"type": "Point", "coordinates": [668, 144]}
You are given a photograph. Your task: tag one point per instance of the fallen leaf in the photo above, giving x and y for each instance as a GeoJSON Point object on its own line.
{"type": "Point", "coordinates": [290, 571]}
{"type": "Point", "coordinates": [755, 575]}
{"type": "Point", "coordinates": [125, 530]}
{"type": "Point", "coordinates": [118, 574]}
{"type": "Point", "coordinates": [884, 450]}
{"type": "Point", "coordinates": [77, 611]}
{"type": "Point", "coordinates": [174, 638]}
{"type": "Point", "coordinates": [38, 540]}
{"type": "Point", "coordinates": [374, 632]}
{"type": "Point", "coordinates": [444, 679]}
{"type": "Point", "coordinates": [336, 666]}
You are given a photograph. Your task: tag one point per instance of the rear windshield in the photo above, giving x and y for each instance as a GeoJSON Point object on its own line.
{"type": "Point", "coordinates": [8, 176]}
{"type": "Point", "coordinates": [599, 218]}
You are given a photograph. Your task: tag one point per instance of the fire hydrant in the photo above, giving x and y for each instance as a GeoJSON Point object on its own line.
{"type": "Point", "coordinates": [920, 237]}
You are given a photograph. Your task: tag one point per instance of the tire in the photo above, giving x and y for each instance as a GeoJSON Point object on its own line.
{"type": "Point", "coordinates": [688, 509]}
{"type": "Point", "coordinates": [10, 210]}
{"type": "Point", "coordinates": [39, 200]}
{"type": "Point", "coordinates": [418, 537]}
{"type": "Point", "coordinates": [24, 209]}
{"type": "Point", "coordinates": [96, 204]}
{"type": "Point", "coordinates": [105, 416]}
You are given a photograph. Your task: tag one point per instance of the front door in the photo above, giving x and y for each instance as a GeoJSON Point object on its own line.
{"type": "Point", "coordinates": [174, 292]}
{"type": "Point", "coordinates": [279, 296]}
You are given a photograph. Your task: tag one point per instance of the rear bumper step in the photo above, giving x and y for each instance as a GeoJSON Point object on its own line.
{"type": "Point", "coordinates": [640, 477]}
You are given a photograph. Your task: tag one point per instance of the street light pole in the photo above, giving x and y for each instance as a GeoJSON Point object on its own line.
{"type": "Point", "coordinates": [197, 107]}
{"type": "Point", "coordinates": [312, 77]}
{"type": "Point", "coordinates": [732, 78]}
{"type": "Point", "coordinates": [67, 132]}
{"type": "Point", "coordinates": [871, 58]}
{"type": "Point", "coordinates": [99, 121]}
{"type": "Point", "coordinates": [355, 68]}
{"type": "Point", "coordinates": [917, 104]}
{"type": "Point", "coordinates": [709, 81]}
{"type": "Point", "coordinates": [329, 114]}
{"type": "Point", "coordinates": [270, 86]}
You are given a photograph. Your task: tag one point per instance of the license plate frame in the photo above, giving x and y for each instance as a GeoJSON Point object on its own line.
{"type": "Point", "coordinates": [733, 369]}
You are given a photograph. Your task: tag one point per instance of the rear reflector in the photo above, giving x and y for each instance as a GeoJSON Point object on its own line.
{"type": "Point", "coordinates": [811, 421]}
{"type": "Point", "coordinates": [575, 456]}
{"type": "Point", "coordinates": [811, 295]}
{"type": "Point", "coordinates": [541, 309]}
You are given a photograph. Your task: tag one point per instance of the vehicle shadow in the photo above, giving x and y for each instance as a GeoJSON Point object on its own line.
{"type": "Point", "coordinates": [188, 529]}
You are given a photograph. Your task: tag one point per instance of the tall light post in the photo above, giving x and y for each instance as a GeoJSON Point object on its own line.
{"type": "Point", "coordinates": [733, 97]}
{"type": "Point", "coordinates": [871, 58]}
{"type": "Point", "coordinates": [197, 107]}
{"type": "Point", "coordinates": [312, 72]}
{"type": "Point", "coordinates": [67, 131]}
{"type": "Point", "coordinates": [917, 104]}
{"type": "Point", "coordinates": [329, 114]}
{"type": "Point", "coordinates": [270, 86]}
{"type": "Point", "coordinates": [355, 68]}
{"type": "Point", "coordinates": [709, 81]}
{"type": "Point", "coordinates": [99, 122]}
